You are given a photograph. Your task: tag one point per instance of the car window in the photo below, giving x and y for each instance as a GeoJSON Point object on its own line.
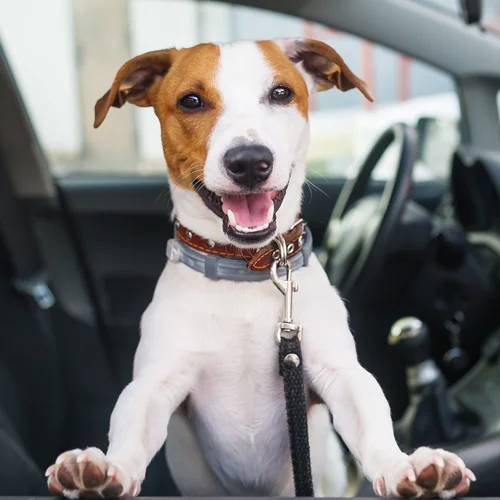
{"type": "Point", "coordinates": [86, 49]}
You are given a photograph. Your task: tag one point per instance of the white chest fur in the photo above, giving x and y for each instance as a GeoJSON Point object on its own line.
{"type": "Point", "coordinates": [237, 402]}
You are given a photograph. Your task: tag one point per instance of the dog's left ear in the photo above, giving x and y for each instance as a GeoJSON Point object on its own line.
{"type": "Point", "coordinates": [137, 82]}
{"type": "Point", "coordinates": [324, 65]}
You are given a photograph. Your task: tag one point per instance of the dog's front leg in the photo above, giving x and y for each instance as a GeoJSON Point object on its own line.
{"type": "Point", "coordinates": [362, 417]}
{"type": "Point", "coordinates": [138, 430]}
{"type": "Point", "coordinates": [164, 374]}
{"type": "Point", "coordinates": [139, 421]}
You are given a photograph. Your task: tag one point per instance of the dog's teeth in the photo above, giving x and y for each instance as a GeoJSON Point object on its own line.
{"type": "Point", "coordinates": [270, 214]}
{"type": "Point", "coordinates": [232, 218]}
{"type": "Point", "coordinates": [247, 230]}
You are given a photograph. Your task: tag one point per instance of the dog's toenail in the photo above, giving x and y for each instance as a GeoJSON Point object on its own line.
{"type": "Point", "coordinates": [410, 475]}
{"type": "Point", "coordinates": [470, 475]}
{"type": "Point", "coordinates": [111, 472]}
{"type": "Point", "coordinates": [439, 462]}
{"type": "Point", "coordinates": [49, 471]}
{"type": "Point", "coordinates": [60, 459]}
{"type": "Point", "coordinates": [136, 489]}
{"type": "Point", "coordinates": [81, 458]}
{"type": "Point", "coordinates": [379, 487]}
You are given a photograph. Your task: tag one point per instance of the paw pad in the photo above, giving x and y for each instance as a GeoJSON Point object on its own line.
{"type": "Point", "coordinates": [426, 473]}
{"type": "Point", "coordinates": [88, 474]}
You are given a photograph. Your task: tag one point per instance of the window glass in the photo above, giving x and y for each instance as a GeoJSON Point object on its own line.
{"type": "Point", "coordinates": [86, 49]}
{"type": "Point", "coordinates": [491, 15]}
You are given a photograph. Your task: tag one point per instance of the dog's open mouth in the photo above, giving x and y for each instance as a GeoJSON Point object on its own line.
{"type": "Point", "coordinates": [246, 218]}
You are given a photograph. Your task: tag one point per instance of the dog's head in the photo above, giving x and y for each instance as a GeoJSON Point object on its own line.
{"type": "Point", "coordinates": [234, 128]}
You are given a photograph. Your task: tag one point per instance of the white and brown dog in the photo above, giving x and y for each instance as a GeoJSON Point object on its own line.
{"type": "Point", "coordinates": [234, 127]}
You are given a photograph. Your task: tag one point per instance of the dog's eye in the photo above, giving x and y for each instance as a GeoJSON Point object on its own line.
{"type": "Point", "coordinates": [280, 94]}
{"type": "Point", "coordinates": [191, 102]}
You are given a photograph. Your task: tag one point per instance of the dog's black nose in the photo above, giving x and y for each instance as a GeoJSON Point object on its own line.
{"type": "Point", "coordinates": [249, 166]}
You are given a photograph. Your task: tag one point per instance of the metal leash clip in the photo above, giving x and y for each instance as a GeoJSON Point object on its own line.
{"type": "Point", "coordinates": [287, 287]}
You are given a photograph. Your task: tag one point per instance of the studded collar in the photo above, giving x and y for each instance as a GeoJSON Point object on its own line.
{"type": "Point", "coordinates": [257, 260]}
{"type": "Point", "coordinates": [219, 261]}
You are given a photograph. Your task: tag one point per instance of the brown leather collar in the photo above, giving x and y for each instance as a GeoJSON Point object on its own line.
{"type": "Point", "coordinates": [258, 259]}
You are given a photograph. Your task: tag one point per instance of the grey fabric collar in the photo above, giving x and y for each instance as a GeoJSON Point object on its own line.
{"type": "Point", "coordinates": [228, 268]}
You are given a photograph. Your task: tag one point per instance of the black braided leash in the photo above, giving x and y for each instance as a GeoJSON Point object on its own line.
{"type": "Point", "coordinates": [290, 363]}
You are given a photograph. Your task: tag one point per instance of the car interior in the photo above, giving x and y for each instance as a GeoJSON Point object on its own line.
{"type": "Point", "coordinates": [403, 202]}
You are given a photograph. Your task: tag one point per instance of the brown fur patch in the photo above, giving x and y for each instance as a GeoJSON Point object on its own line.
{"type": "Point", "coordinates": [159, 79]}
{"type": "Point", "coordinates": [184, 135]}
{"type": "Point", "coordinates": [285, 73]}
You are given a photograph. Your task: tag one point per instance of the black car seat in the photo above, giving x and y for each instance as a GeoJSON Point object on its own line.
{"type": "Point", "coordinates": [31, 402]}
{"type": "Point", "coordinates": [55, 389]}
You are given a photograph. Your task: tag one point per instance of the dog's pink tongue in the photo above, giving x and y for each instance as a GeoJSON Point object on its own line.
{"type": "Point", "coordinates": [249, 210]}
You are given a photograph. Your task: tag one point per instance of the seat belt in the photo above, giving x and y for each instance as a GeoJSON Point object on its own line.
{"type": "Point", "coordinates": [30, 277]}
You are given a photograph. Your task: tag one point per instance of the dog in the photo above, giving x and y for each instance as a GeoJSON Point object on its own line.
{"type": "Point", "coordinates": [234, 130]}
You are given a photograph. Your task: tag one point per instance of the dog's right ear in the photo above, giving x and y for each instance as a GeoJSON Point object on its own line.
{"type": "Point", "coordinates": [137, 82]}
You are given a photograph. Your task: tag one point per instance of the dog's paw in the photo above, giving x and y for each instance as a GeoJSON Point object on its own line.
{"type": "Point", "coordinates": [89, 474]}
{"type": "Point", "coordinates": [426, 473]}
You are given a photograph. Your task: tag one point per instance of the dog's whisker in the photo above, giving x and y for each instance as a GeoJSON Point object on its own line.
{"type": "Point", "coordinates": [163, 194]}
{"type": "Point", "coordinates": [193, 171]}
{"type": "Point", "coordinates": [307, 183]}
{"type": "Point", "coordinates": [311, 184]}
{"type": "Point", "coordinates": [316, 173]}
